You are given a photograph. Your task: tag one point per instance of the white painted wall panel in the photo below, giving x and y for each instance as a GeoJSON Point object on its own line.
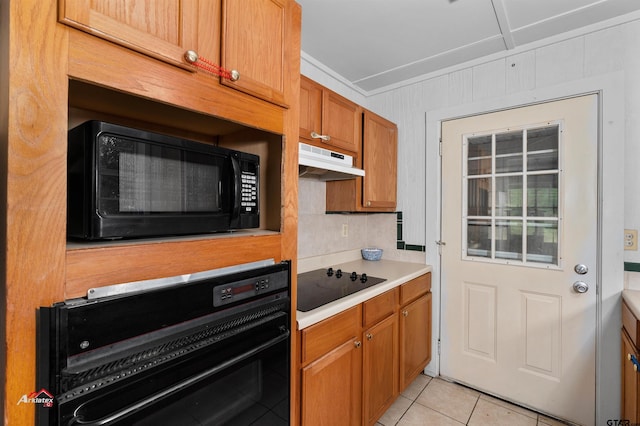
{"type": "Point", "coordinates": [489, 80]}
{"type": "Point", "coordinates": [520, 72]}
{"type": "Point", "coordinates": [560, 62]}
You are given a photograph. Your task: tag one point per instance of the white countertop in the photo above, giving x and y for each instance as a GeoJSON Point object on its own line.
{"type": "Point", "coordinates": [632, 298]}
{"type": "Point", "coordinates": [395, 273]}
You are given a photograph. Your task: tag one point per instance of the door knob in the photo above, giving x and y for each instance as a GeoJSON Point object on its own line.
{"type": "Point", "coordinates": [581, 269]}
{"type": "Point", "coordinates": [580, 287]}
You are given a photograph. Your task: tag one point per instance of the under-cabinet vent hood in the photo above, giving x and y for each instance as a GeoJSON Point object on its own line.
{"type": "Point", "coordinates": [324, 164]}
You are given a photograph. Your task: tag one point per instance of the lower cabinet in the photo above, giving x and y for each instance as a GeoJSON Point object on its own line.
{"type": "Point", "coordinates": [629, 381]}
{"type": "Point", "coordinates": [630, 405]}
{"type": "Point", "coordinates": [355, 363]}
{"type": "Point", "coordinates": [415, 337]}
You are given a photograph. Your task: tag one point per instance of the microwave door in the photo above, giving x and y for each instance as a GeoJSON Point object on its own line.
{"type": "Point", "coordinates": [234, 218]}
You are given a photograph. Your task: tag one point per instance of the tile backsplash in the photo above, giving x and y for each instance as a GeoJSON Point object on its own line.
{"type": "Point", "coordinates": [320, 233]}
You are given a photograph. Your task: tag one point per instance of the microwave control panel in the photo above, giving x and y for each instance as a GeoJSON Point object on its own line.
{"type": "Point", "coordinates": [249, 192]}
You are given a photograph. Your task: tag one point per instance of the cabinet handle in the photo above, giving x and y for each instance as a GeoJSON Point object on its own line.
{"type": "Point", "coordinates": [369, 336]}
{"type": "Point", "coordinates": [357, 343]}
{"type": "Point", "coordinates": [192, 57]}
{"type": "Point", "coordinates": [325, 138]}
{"type": "Point", "coordinates": [405, 313]}
{"type": "Point", "coordinates": [634, 360]}
{"type": "Point", "coordinates": [368, 203]}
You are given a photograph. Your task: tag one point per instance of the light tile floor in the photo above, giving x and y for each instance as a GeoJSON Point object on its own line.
{"type": "Point", "coordinates": [435, 402]}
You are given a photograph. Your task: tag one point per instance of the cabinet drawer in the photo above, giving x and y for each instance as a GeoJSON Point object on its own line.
{"type": "Point", "coordinates": [415, 288]}
{"type": "Point", "coordinates": [328, 334]}
{"type": "Point", "coordinates": [630, 323]}
{"type": "Point", "coordinates": [379, 307]}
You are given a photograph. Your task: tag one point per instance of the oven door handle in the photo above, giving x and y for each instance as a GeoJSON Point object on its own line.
{"type": "Point", "coordinates": [77, 418]}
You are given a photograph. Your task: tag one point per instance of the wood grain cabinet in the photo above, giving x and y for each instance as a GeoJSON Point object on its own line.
{"type": "Point", "coordinates": [329, 120]}
{"type": "Point", "coordinates": [630, 403]}
{"type": "Point", "coordinates": [377, 190]}
{"type": "Point", "coordinates": [331, 374]}
{"type": "Point", "coordinates": [380, 355]}
{"type": "Point", "coordinates": [244, 36]}
{"type": "Point", "coordinates": [415, 328]}
{"type": "Point", "coordinates": [354, 364]}
{"type": "Point", "coordinates": [164, 29]}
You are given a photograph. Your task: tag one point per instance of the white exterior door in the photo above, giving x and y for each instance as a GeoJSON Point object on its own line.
{"type": "Point", "coordinates": [519, 209]}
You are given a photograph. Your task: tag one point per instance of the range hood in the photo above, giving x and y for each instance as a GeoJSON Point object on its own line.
{"type": "Point", "coordinates": [324, 164]}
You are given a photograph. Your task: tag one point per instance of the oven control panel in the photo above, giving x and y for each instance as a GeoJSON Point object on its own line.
{"type": "Point", "coordinates": [240, 290]}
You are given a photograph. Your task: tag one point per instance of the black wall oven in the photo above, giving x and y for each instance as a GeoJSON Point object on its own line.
{"type": "Point", "coordinates": [211, 351]}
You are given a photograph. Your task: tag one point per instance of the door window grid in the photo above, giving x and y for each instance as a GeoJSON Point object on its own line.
{"type": "Point", "coordinates": [511, 182]}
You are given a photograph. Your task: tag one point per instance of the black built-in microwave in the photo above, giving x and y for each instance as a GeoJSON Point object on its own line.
{"type": "Point", "coordinates": [126, 183]}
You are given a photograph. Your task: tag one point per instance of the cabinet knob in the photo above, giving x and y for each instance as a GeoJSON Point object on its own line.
{"type": "Point", "coordinates": [191, 56]}
{"type": "Point", "coordinates": [235, 75]}
{"type": "Point", "coordinates": [628, 357]}
{"type": "Point", "coordinates": [368, 203]}
{"type": "Point", "coordinates": [405, 313]}
{"type": "Point", "coordinates": [357, 343]}
{"type": "Point", "coordinates": [369, 336]}
{"type": "Point", "coordinates": [635, 367]}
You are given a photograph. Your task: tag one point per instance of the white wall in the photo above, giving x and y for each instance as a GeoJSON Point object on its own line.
{"type": "Point", "coordinates": [602, 59]}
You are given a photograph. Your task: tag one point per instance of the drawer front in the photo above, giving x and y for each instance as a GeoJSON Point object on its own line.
{"type": "Point", "coordinates": [320, 338]}
{"type": "Point", "coordinates": [379, 307]}
{"type": "Point", "coordinates": [415, 288]}
{"type": "Point", "coordinates": [630, 323]}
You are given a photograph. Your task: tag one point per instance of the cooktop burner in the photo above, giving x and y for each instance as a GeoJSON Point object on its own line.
{"type": "Point", "coordinates": [319, 287]}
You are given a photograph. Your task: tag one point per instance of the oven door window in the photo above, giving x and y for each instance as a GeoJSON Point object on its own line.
{"type": "Point", "coordinates": [243, 380]}
{"type": "Point", "coordinates": [140, 178]}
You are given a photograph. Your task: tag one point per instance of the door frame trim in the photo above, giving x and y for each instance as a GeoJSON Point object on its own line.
{"type": "Point", "coordinates": [610, 91]}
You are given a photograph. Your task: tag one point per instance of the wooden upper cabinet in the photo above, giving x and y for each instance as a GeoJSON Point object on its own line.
{"type": "Point", "coordinates": [377, 190]}
{"type": "Point", "coordinates": [325, 113]}
{"type": "Point", "coordinates": [164, 29]}
{"type": "Point", "coordinates": [253, 43]}
{"type": "Point", "coordinates": [247, 36]}
{"type": "Point", "coordinates": [380, 161]}
{"type": "Point", "coordinates": [341, 120]}
{"type": "Point", "coordinates": [310, 109]}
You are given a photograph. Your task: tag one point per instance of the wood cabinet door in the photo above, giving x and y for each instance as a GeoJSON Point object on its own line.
{"type": "Point", "coordinates": [629, 400]}
{"type": "Point", "coordinates": [415, 339]}
{"type": "Point", "coordinates": [380, 372]}
{"type": "Point", "coordinates": [164, 29]}
{"type": "Point", "coordinates": [342, 121]}
{"type": "Point", "coordinates": [332, 388]}
{"type": "Point", "coordinates": [380, 162]}
{"type": "Point", "coordinates": [310, 109]}
{"type": "Point", "coordinates": [253, 43]}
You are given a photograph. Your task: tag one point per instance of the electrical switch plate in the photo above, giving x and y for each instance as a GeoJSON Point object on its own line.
{"type": "Point", "coordinates": [631, 239]}
{"type": "Point", "coordinates": [345, 230]}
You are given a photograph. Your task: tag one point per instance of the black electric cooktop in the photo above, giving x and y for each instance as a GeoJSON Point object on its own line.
{"type": "Point", "coordinates": [319, 287]}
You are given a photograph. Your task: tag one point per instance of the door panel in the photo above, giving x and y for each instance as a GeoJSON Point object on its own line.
{"type": "Point", "coordinates": [519, 209]}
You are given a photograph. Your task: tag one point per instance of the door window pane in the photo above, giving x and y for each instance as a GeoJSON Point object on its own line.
{"type": "Point", "coordinates": [512, 182]}
{"type": "Point", "coordinates": [479, 197]}
{"type": "Point", "coordinates": [479, 238]}
{"type": "Point", "coordinates": [509, 196]}
{"type": "Point", "coordinates": [509, 152]}
{"type": "Point", "coordinates": [542, 148]}
{"type": "Point", "coordinates": [542, 195]}
{"type": "Point", "coordinates": [542, 242]}
{"type": "Point", "coordinates": [509, 239]}
{"type": "Point", "coordinates": [479, 155]}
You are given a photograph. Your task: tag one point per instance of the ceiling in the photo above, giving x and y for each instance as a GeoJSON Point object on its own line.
{"type": "Point", "coordinates": [378, 43]}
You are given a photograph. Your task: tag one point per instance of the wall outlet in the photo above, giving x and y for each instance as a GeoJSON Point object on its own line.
{"type": "Point", "coordinates": [345, 230]}
{"type": "Point", "coordinates": [631, 239]}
